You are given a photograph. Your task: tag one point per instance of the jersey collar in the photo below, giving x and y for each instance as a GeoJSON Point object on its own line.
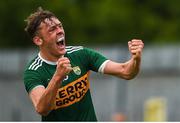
{"type": "Point", "coordinates": [46, 61]}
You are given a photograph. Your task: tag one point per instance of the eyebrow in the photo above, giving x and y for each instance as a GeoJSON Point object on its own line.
{"type": "Point", "coordinates": [55, 25]}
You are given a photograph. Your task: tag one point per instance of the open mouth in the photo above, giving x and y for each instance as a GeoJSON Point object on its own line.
{"type": "Point", "coordinates": [60, 41]}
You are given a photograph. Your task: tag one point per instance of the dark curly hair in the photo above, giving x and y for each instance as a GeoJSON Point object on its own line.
{"type": "Point", "coordinates": [35, 19]}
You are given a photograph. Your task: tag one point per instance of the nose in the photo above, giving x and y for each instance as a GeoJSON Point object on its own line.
{"type": "Point", "coordinates": [59, 30]}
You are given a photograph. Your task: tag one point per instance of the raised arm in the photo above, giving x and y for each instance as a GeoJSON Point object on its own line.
{"type": "Point", "coordinates": [43, 98]}
{"type": "Point", "coordinates": [129, 69]}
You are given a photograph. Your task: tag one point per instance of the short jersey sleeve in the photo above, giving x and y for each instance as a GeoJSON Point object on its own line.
{"type": "Point", "coordinates": [95, 59]}
{"type": "Point", "coordinates": [32, 79]}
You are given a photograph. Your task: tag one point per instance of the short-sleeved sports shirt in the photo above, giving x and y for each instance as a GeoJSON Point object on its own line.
{"type": "Point", "coordinates": [73, 100]}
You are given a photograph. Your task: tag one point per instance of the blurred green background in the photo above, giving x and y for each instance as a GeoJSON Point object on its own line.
{"type": "Point", "coordinates": [95, 22]}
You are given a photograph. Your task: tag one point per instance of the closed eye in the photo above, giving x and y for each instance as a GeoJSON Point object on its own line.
{"type": "Point", "coordinates": [52, 29]}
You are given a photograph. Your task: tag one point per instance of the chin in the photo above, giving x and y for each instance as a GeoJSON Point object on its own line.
{"type": "Point", "coordinates": [63, 52]}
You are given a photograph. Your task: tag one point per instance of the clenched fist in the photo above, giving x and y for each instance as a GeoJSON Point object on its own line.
{"type": "Point", "coordinates": [135, 47]}
{"type": "Point", "coordinates": [63, 67]}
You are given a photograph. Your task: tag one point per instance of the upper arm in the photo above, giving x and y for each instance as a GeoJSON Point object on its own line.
{"type": "Point", "coordinates": [94, 59]}
{"type": "Point", "coordinates": [36, 93]}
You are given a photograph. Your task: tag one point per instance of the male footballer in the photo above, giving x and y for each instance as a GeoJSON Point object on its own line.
{"type": "Point", "coordinates": [57, 79]}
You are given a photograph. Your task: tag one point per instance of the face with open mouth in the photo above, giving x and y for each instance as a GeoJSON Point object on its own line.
{"type": "Point", "coordinates": [53, 36]}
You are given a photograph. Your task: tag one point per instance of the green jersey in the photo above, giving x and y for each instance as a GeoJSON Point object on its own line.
{"type": "Point", "coordinates": [73, 100]}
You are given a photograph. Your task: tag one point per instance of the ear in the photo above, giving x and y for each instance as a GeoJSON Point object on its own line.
{"type": "Point", "coordinates": [37, 40]}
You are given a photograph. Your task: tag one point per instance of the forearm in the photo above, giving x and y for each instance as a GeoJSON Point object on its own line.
{"type": "Point", "coordinates": [43, 98]}
{"type": "Point", "coordinates": [131, 68]}
{"type": "Point", "coordinates": [46, 101]}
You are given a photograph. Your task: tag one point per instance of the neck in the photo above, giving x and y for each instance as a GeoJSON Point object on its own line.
{"type": "Point", "coordinates": [49, 57]}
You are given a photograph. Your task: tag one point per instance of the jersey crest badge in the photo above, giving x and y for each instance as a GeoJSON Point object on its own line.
{"type": "Point", "coordinates": [77, 70]}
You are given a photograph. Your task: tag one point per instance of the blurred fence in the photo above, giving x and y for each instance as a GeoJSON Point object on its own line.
{"type": "Point", "coordinates": [159, 77]}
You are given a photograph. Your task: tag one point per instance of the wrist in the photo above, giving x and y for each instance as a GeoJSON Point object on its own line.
{"type": "Point", "coordinates": [57, 78]}
{"type": "Point", "coordinates": [136, 57]}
